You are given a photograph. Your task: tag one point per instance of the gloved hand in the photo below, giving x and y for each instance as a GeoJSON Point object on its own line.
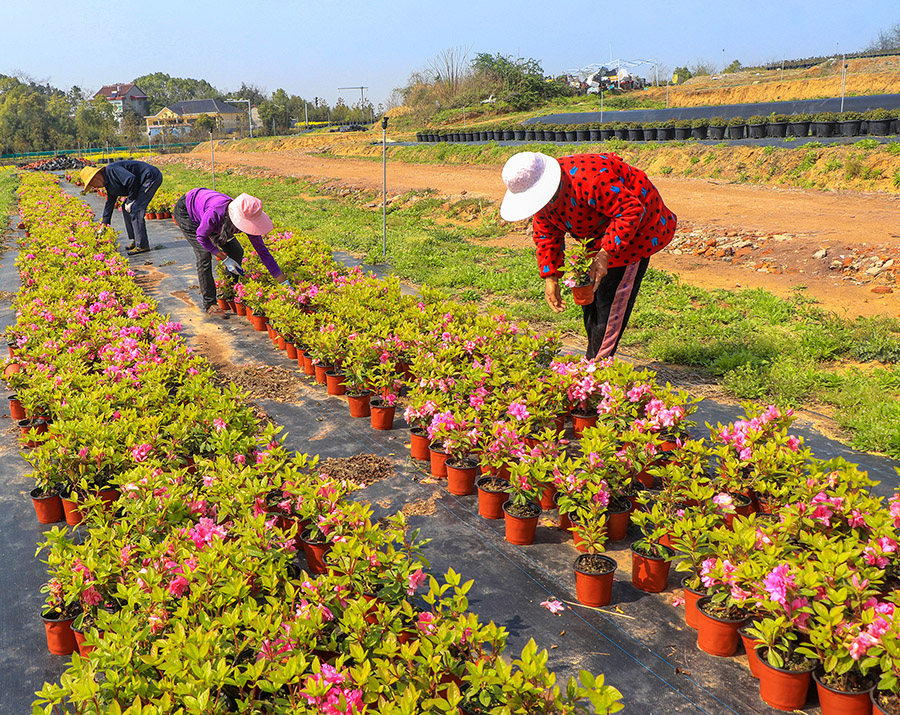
{"type": "Point", "coordinates": [286, 283]}
{"type": "Point", "coordinates": [232, 266]}
{"type": "Point", "coordinates": [128, 206]}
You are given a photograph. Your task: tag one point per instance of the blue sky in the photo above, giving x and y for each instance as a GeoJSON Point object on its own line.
{"type": "Point", "coordinates": [312, 48]}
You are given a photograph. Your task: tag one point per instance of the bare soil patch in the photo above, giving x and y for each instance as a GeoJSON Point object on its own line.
{"type": "Point", "coordinates": [360, 469]}
{"type": "Point", "coordinates": [265, 382]}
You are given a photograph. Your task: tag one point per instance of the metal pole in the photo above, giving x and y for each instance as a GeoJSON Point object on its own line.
{"type": "Point", "coordinates": [306, 113]}
{"type": "Point", "coordinates": [384, 191]}
{"type": "Point", "coordinates": [667, 94]}
{"type": "Point", "coordinates": [464, 118]}
{"type": "Point", "coordinates": [601, 106]}
{"type": "Point", "coordinates": [212, 156]}
{"type": "Point", "coordinates": [843, 80]}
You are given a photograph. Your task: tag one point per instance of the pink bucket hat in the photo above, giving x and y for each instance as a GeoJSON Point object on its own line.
{"type": "Point", "coordinates": [247, 215]}
{"type": "Point", "coordinates": [531, 180]}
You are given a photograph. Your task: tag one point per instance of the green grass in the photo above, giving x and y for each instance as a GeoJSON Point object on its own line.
{"type": "Point", "coordinates": [759, 346]}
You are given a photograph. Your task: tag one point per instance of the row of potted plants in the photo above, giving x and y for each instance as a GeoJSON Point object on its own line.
{"type": "Point", "coordinates": [475, 404]}
{"type": "Point", "coordinates": [876, 122]}
{"type": "Point", "coordinates": [184, 583]}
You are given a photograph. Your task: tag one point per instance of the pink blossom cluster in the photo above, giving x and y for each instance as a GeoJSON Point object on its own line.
{"type": "Point", "coordinates": [336, 700]}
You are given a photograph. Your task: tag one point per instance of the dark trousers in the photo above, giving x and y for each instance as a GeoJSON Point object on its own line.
{"type": "Point", "coordinates": [135, 226]}
{"type": "Point", "coordinates": [605, 319]}
{"type": "Point", "coordinates": [205, 277]}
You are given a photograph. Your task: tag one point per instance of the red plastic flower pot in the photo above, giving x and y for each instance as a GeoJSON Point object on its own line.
{"type": "Point", "coordinates": [418, 444]}
{"type": "Point", "coordinates": [781, 688]}
{"type": "Point", "coordinates": [583, 295]}
{"type": "Point", "coordinates": [491, 500]}
{"type": "Point", "coordinates": [359, 404]}
{"type": "Point", "coordinates": [592, 588]}
{"type": "Point", "coordinates": [334, 382]}
{"type": "Point", "coordinates": [618, 518]}
{"type": "Point", "coordinates": [717, 635]}
{"type": "Point", "coordinates": [520, 530]}
{"type": "Point", "coordinates": [48, 508]}
{"type": "Point", "coordinates": [322, 372]}
{"type": "Point", "coordinates": [461, 476]}
{"type": "Point", "coordinates": [750, 644]}
{"type": "Point", "coordinates": [315, 555]}
{"type": "Point", "coordinates": [223, 304]}
{"type": "Point", "coordinates": [691, 596]}
{"type": "Point", "coordinates": [581, 422]}
{"type": "Point", "coordinates": [649, 573]}
{"type": "Point", "coordinates": [547, 497]}
{"type": "Point", "coordinates": [308, 367]}
{"type": "Point", "coordinates": [291, 350]}
{"type": "Point", "coordinates": [438, 459]}
{"type": "Point", "coordinates": [280, 342]}
{"type": "Point", "coordinates": [240, 308]}
{"type": "Point", "coordinates": [259, 323]}
{"type": "Point", "coordinates": [73, 514]}
{"type": "Point", "coordinates": [842, 702]}
{"type": "Point", "coordinates": [60, 637]}
{"type": "Point", "coordinates": [382, 415]}
{"type": "Point", "coordinates": [109, 496]}
{"type": "Point", "coordinates": [16, 411]}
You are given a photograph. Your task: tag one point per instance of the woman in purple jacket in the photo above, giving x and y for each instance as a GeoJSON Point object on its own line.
{"type": "Point", "coordinates": [208, 219]}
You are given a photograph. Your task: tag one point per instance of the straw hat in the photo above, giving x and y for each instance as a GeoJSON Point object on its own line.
{"type": "Point", "coordinates": [247, 215]}
{"type": "Point", "coordinates": [87, 175]}
{"type": "Point", "coordinates": [531, 180]}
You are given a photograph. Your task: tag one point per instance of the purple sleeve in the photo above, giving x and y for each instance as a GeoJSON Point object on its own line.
{"type": "Point", "coordinates": [267, 259]}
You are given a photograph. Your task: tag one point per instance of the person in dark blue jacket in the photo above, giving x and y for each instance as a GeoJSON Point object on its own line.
{"type": "Point", "coordinates": [137, 182]}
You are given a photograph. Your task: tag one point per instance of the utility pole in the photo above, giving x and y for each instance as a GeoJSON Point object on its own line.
{"type": "Point", "coordinates": [843, 79]}
{"type": "Point", "coordinates": [212, 156]}
{"type": "Point", "coordinates": [384, 123]}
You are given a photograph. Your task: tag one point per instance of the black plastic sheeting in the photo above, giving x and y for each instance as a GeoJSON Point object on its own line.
{"type": "Point", "coordinates": [804, 106]}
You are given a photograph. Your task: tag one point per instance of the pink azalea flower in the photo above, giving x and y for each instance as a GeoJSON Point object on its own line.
{"type": "Point", "coordinates": [416, 579]}
{"type": "Point", "coordinates": [219, 424]}
{"type": "Point", "coordinates": [141, 451]}
{"type": "Point", "coordinates": [518, 410]}
{"type": "Point", "coordinates": [553, 606]}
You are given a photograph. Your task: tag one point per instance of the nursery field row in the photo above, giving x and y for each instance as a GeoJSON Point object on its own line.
{"type": "Point", "coordinates": [187, 592]}
{"type": "Point", "coordinates": [760, 346]}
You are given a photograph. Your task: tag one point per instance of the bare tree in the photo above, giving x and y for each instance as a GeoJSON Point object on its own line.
{"type": "Point", "coordinates": [887, 39]}
{"type": "Point", "coordinates": [702, 67]}
{"type": "Point", "coordinates": [449, 68]}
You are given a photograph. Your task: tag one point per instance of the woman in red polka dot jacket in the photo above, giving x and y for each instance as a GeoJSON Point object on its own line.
{"type": "Point", "coordinates": [597, 197]}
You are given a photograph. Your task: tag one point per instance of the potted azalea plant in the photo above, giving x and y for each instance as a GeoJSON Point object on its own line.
{"type": "Point", "coordinates": [522, 510]}
{"type": "Point", "coordinates": [593, 571]}
{"type": "Point", "coordinates": [579, 259]}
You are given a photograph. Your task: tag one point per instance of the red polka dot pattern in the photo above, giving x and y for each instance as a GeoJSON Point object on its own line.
{"type": "Point", "coordinates": [607, 200]}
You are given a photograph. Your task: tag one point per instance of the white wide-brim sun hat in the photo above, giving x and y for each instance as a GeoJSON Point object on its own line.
{"type": "Point", "coordinates": [531, 180]}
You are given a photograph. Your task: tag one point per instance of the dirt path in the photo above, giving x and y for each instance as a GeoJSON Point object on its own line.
{"type": "Point", "coordinates": [784, 228]}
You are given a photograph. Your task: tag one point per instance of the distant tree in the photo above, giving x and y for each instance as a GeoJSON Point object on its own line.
{"type": "Point", "coordinates": [249, 91]}
{"type": "Point", "coordinates": [520, 81]}
{"type": "Point", "coordinates": [887, 40]}
{"type": "Point", "coordinates": [702, 68]}
{"type": "Point", "coordinates": [204, 124]}
{"type": "Point", "coordinates": [733, 67]}
{"type": "Point", "coordinates": [449, 68]}
{"type": "Point", "coordinates": [681, 75]}
{"type": "Point", "coordinates": [95, 121]}
{"type": "Point", "coordinates": [133, 127]}
{"type": "Point", "coordinates": [33, 117]}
